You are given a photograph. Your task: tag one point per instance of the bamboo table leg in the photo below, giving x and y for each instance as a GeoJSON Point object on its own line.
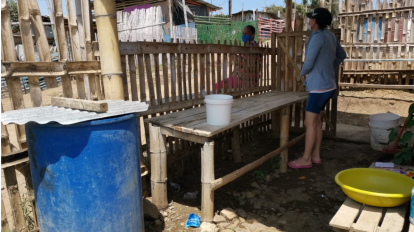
{"type": "Point", "coordinates": [158, 153]}
{"type": "Point", "coordinates": [236, 144]}
{"type": "Point", "coordinates": [284, 137]}
{"type": "Point", "coordinates": [207, 176]}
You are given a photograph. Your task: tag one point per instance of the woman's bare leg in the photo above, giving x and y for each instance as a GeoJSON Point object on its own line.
{"type": "Point", "coordinates": [316, 156]}
{"type": "Point", "coordinates": [312, 121]}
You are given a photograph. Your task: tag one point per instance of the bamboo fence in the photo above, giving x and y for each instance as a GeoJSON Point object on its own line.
{"type": "Point", "coordinates": [379, 42]}
{"type": "Point", "coordinates": [169, 76]}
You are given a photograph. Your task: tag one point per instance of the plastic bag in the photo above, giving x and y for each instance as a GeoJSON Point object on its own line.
{"type": "Point", "coordinates": [193, 221]}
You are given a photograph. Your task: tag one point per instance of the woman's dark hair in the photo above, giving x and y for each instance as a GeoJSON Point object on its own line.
{"type": "Point", "coordinates": [322, 16]}
{"type": "Point", "coordinates": [251, 28]}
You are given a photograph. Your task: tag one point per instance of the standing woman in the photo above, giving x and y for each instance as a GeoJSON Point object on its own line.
{"type": "Point", "coordinates": [323, 53]}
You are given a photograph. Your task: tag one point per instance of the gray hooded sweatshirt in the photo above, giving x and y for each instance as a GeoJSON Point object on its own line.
{"type": "Point", "coordinates": [323, 53]}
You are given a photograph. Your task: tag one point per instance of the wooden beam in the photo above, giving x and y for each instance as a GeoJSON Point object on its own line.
{"type": "Point", "coordinates": [49, 69]}
{"type": "Point", "coordinates": [216, 184]}
{"type": "Point", "coordinates": [80, 104]}
{"type": "Point", "coordinates": [280, 43]}
{"type": "Point", "coordinates": [375, 86]}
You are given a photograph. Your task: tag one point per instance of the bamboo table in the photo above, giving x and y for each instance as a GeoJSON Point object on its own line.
{"type": "Point", "coordinates": [191, 125]}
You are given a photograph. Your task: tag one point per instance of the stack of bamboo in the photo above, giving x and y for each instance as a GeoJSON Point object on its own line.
{"type": "Point", "coordinates": [382, 37]}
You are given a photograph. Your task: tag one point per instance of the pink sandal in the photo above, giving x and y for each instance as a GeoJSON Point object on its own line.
{"type": "Point", "coordinates": [295, 166]}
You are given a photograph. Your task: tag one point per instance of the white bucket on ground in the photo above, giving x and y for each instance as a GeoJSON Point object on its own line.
{"type": "Point", "coordinates": [379, 125]}
{"type": "Point", "coordinates": [218, 109]}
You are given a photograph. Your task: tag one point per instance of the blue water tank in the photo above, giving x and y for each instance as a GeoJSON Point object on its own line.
{"type": "Point", "coordinates": [86, 176]}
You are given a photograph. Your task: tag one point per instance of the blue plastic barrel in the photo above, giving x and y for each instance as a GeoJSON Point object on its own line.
{"type": "Point", "coordinates": [86, 176]}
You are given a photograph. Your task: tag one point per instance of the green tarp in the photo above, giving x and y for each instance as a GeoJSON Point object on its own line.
{"type": "Point", "coordinates": [223, 32]}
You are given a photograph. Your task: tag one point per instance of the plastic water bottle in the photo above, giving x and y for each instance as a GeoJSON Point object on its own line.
{"type": "Point", "coordinates": [412, 207]}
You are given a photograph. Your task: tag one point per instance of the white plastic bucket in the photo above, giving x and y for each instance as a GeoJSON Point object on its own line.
{"type": "Point", "coordinates": [218, 109]}
{"type": "Point", "coordinates": [379, 125]}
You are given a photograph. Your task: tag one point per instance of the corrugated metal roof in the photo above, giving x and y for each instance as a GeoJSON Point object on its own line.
{"type": "Point", "coordinates": [66, 116]}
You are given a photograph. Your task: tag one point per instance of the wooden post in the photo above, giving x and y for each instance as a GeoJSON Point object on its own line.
{"type": "Point", "coordinates": [41, 40]}
{"type": "Point", "coordinates": [236, 144]}
{"type": "Point", "coordinates": [171, 20]}
{"type": "Point", "coordinates": [284, 137]}
{"type": "Point", "coordinates": [13, 190]}
{"type": "Point", "coordinates": [5, 142]}
{"type": "Point", "coordinates": [207, 177]}
{"type": "Point", "coordinates": [105, 14]}
{"type": "Point", "coordinates": [76, 49]}
{"type": "Point", "coordinates": [13, 84]}
{"type": "Point", "coordinates": [158, 153]}
{"type": "Point", "coordinates": [29, 51]}
{"type": "Point", "coordinates": [322, 3]}
{"type": "Point", "coordinates": [62, 46]}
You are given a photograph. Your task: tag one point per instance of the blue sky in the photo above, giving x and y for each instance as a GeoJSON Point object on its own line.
{"type": "Point", "coordinates": [43, 6]}
{"type": "Point", "coordinates": [237, 5]}
{"type": "Point", "coordinates": [246, 4]}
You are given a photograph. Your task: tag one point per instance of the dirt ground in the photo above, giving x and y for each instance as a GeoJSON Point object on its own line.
{"type": "Point", "coordinates": [299, 200]}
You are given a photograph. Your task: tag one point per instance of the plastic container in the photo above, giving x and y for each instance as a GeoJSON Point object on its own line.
{"type": "Point", "coordinates": [412, 207]}
{"type": "Point", "coordinates": [218, 109]}
{"type": "Point", "coordinates": [379, 125]}
{"type": "Point", "coordinates": [86, 176]}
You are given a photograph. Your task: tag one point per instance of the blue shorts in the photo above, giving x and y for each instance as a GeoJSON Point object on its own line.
{"type": "Point", "coordinates": [317, 101]}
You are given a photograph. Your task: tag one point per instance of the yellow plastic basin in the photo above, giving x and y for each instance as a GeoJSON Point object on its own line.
{"type": "Point", "coordinates": [375, 187]}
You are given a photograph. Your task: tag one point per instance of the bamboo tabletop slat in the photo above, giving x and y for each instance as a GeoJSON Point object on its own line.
{"type": "Point", "coordinates": [193, 121]}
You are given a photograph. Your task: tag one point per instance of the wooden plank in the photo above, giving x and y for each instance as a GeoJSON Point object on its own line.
{"type": "Point", "coordinates": [141, 73]}
{"type": "Point", "coordinates": [190, 89]}
{"type": "Point", "coordinates": [345, 216]}
{"type": "Point", "coordinates": [196, 86]}
{"type": "Point", "coordinates": [80, 104]}
{"type": "Point", "coordinates": [208, 74]}
{"type": "Point", "coordinates": [194, 49]}
{"type": "Point", "coordinates": [13, 190]}
{"type": "Point", "coordinates": [219, 72]}
{"type": "Point", "coordinates": [185, 136]}
{"type": "Point", "coordinates": [179, 78]}
{"type": "Point", "coordinates": [368, 220]}
{"type": "Point", "coordinates": [149, 78]}
{"type": "Point", "coordinates": [133, 77]}
{"type": "Point", "coordinates": [202, 72]}
{"type": "Point", "coordinates": [184, 66]}
{"type": "Point", "coordinates": [376, 86]}
{"type": "Point", "coordinates": [225, 77]}
{"type": "Point", "coordinates": [173, 78]}
{"type": "Point", "coordinates": [158, 78]}
{"type": "Point", "coordinates": [394, 219]}
{"type": "Point", "coordinates": [165, 78]}
{"type": "Point", "coordinates": [33, 69]}
{"type": "Point", "coordinates": [124, 78]}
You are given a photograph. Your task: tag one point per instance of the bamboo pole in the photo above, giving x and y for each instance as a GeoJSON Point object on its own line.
{"type": "Point", "coordinates": [81, 31]}
{"type": "Point", "coordinates": [207, 177]}
{"type": "Point", "coordinates": [95, 89]}
{"type": "Point", "coordinates": [158, 153]}
{"type": "Point", "coordinates": [62, 46]}
{"type": "Point", "coordinates": [76, 47]}
{"type": "Point", "coordinates": [105, 14]}
{"type": "Point", "coordinates": [41, 39]}
{"type": "Point", "coordinates": [9, 54]}
{"type": "Point", "coordinates": [29, 51]}
{"type": "Point", "coordinates": [284, 137]}
{"type": "Point", "coordinates": [216, 184]}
